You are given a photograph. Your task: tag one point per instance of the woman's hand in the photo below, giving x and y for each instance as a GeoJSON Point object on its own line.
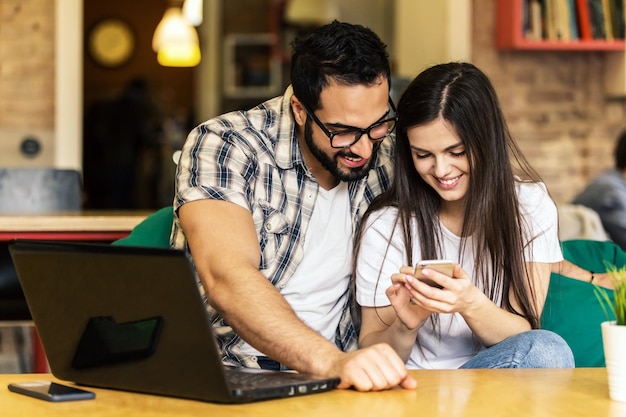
{"type": "Point", "coordinates": [458, 293]}
{"type": "Point", "coordinates": [410, 314]}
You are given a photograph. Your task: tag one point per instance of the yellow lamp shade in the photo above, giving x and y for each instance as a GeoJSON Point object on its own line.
{"type": "Point", "coordinates": [176, 41]}
{"type": "Point", "coordinates": [179, 55]}
{"type": "Point", "coordinates": [308, 12]}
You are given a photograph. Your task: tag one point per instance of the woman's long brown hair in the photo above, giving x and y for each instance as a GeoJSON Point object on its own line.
{"type": "Point", "coordinates": [463, 96]}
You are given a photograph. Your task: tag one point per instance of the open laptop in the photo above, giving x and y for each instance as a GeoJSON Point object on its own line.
{"type": "Point", "coordinates": [132, 318]}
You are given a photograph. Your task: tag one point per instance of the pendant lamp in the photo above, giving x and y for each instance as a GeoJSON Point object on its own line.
{"type": "Point", "coordinates": [308, 12]}
{"type": "Point", "coordinates": [175, 41]}
{"type": "Point", "coordinates": [192, 10]}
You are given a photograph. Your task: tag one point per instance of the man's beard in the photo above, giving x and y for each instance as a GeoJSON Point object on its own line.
{"type": "Point", "coordinates": [331, 164]}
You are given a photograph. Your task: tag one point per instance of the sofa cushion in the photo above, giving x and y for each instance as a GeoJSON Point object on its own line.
{"type": "Point", "coordinates": [572, 309]}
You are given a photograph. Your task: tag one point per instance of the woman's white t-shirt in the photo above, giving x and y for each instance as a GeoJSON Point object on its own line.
{"type": "Point", "coordinates": [454, 344]}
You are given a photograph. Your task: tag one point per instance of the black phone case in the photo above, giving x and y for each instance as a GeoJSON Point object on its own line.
{"type": "Point", "coordinates": [50, 391]}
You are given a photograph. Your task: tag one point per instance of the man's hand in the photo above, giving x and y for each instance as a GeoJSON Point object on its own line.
{"type": "Point", "coordinates": [374, 368]}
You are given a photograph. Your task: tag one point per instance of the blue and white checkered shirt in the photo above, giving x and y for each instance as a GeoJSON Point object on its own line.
{"type": "Point", "coordinates": [253, 159]}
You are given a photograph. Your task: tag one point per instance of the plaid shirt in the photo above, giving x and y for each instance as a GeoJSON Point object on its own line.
{"type": "Point", "coordinates": [253, 159]}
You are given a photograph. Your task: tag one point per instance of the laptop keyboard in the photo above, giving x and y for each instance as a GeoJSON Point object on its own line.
{"type": "Point", "coordinates": [249, 378]}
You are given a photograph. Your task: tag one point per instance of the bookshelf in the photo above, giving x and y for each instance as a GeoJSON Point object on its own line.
{"type": "Point", "coordinates": [510, 27]}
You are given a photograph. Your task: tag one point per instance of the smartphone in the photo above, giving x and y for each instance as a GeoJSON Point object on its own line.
{"type": "Point", "coordinates": [440, 265]}
{"type": "Point", "coordinates": [50, 391]}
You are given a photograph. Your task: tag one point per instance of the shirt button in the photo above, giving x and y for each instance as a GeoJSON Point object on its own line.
{"type": "Point", "coordinates": [310, 196]}
{"type": "Point", "coordinates": [268, 226]}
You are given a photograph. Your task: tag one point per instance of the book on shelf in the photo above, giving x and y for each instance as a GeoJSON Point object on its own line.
{"type": "Point", "coordinates": [608, 20]}
{"type": "Point", "coordinates": [560, 19]}
{"type": "Point", "coordinates": [571, 20]}
{"type": "Point", "coordinates": [597, 19]}
{"type": "Point", "coordinates": [550, 20]}
{"type": "Point", "coordinates": [533, 21]}
{"type": "Point", "coordinates": [584, 19]}
{"type": "Point", "coordinates": [618, 18]}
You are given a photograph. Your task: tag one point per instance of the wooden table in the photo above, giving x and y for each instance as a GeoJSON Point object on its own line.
{"type": "Point", "coordinates": [449, 393]}
{"type": "Point", "coordinates": [85, 225]}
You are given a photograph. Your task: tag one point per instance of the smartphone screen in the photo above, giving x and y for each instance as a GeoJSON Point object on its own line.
{"type": "Point", "coordinates": [440, 265]}
{"type": "Point", "coordinates": [50, 391]}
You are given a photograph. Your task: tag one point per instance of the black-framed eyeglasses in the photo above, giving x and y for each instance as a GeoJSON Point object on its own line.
{"type": "Point", "coordinates": [351, 135]}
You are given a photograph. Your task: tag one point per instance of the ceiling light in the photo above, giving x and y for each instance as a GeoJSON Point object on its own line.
{"type": "Point", "coordinates": [176, 41]}
{"type": "Point", "coordinates": [192, 10]}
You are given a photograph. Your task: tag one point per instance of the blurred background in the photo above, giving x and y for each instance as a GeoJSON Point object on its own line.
{"type": "Point", "coordinates": [110, 89]}
{"type": "Point", "coordinates": [81, 86]}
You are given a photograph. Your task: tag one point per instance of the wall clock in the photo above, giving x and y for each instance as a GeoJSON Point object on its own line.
{"type": "Point", "coordinates": [111, 42]}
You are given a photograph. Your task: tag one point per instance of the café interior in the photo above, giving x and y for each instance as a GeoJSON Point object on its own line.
{"type": "Point", "coordinates": [90, 95]}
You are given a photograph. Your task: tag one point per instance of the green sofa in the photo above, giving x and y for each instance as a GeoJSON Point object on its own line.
{"type": "Point", "coordinates": [571, 308]}
{"type": "Point", "coordinates": [153, 231]}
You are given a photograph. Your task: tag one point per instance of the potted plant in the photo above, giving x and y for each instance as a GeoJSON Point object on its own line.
{"type": "Point", "coordinates": [614, 331]}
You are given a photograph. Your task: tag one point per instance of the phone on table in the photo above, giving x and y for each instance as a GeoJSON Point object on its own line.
{"type": "Point", "coordinates": [50, 391]}
{"type": "Point", "coordinates": [440, 265]}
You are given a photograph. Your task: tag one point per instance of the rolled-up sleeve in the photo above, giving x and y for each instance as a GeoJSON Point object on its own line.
{"type": "Point", "coordinates": [541, 223]}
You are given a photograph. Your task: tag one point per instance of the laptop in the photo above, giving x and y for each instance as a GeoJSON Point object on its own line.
{"type": "Point", "coordinates": [132, 318]}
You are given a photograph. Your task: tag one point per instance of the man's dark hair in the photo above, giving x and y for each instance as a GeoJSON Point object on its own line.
{"type": "Point", "coordinates": [349, 54]}
{"type": "Point", "coordinates": [620, 151]}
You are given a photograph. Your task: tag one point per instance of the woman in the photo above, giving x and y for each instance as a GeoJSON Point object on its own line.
{"type": "Point", "coordinates": [462, 191]}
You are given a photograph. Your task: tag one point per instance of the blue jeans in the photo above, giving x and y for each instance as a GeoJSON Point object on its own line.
{"type": "Point", "coordinates": [531, 349]}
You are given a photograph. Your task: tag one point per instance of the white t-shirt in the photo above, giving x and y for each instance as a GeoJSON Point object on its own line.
{"type": "Point", "coordinates": [318, 289]}
{"type": "Point", "coordinates": [455, 344]}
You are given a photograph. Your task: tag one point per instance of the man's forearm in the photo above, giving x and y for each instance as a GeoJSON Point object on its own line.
{"type": "Point", "coordinates": [263, 318]}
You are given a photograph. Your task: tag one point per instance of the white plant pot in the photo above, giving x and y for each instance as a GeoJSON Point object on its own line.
{"type": "Point", "coordinates": [614, 341]}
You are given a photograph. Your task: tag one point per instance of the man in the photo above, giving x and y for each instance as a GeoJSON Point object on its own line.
{"type": "Point", "coordinates": [268, 201]}
{"type": "Point", "coordinates": [606, 194]}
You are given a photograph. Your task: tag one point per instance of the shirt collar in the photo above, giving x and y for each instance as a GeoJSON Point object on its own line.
{"type": "Point", "coordinates": [288, 153]}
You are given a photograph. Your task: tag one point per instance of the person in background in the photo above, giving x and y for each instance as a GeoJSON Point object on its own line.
{"type": "Point", "coordinates": [461, 191]}
{"type": "Point", "coordinates": [122, 150]}
{"type": "Point", "coordinates": [606, 195]}
{"type": "Point", "coordinates": [267, 202]}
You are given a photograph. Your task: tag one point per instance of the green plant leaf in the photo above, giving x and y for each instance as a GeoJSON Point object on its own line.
{"type": "Point", "coordinates": [617, 306]}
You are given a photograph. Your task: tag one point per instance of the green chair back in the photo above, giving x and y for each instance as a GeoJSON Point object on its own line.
{"type": "Point", "coordinates": [572, 309]}
{"type": "Point", "coordinates": [153, 231]}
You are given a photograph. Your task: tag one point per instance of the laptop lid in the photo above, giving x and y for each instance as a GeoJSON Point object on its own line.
{"type": "Point", "coordinates": [131, 318]}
